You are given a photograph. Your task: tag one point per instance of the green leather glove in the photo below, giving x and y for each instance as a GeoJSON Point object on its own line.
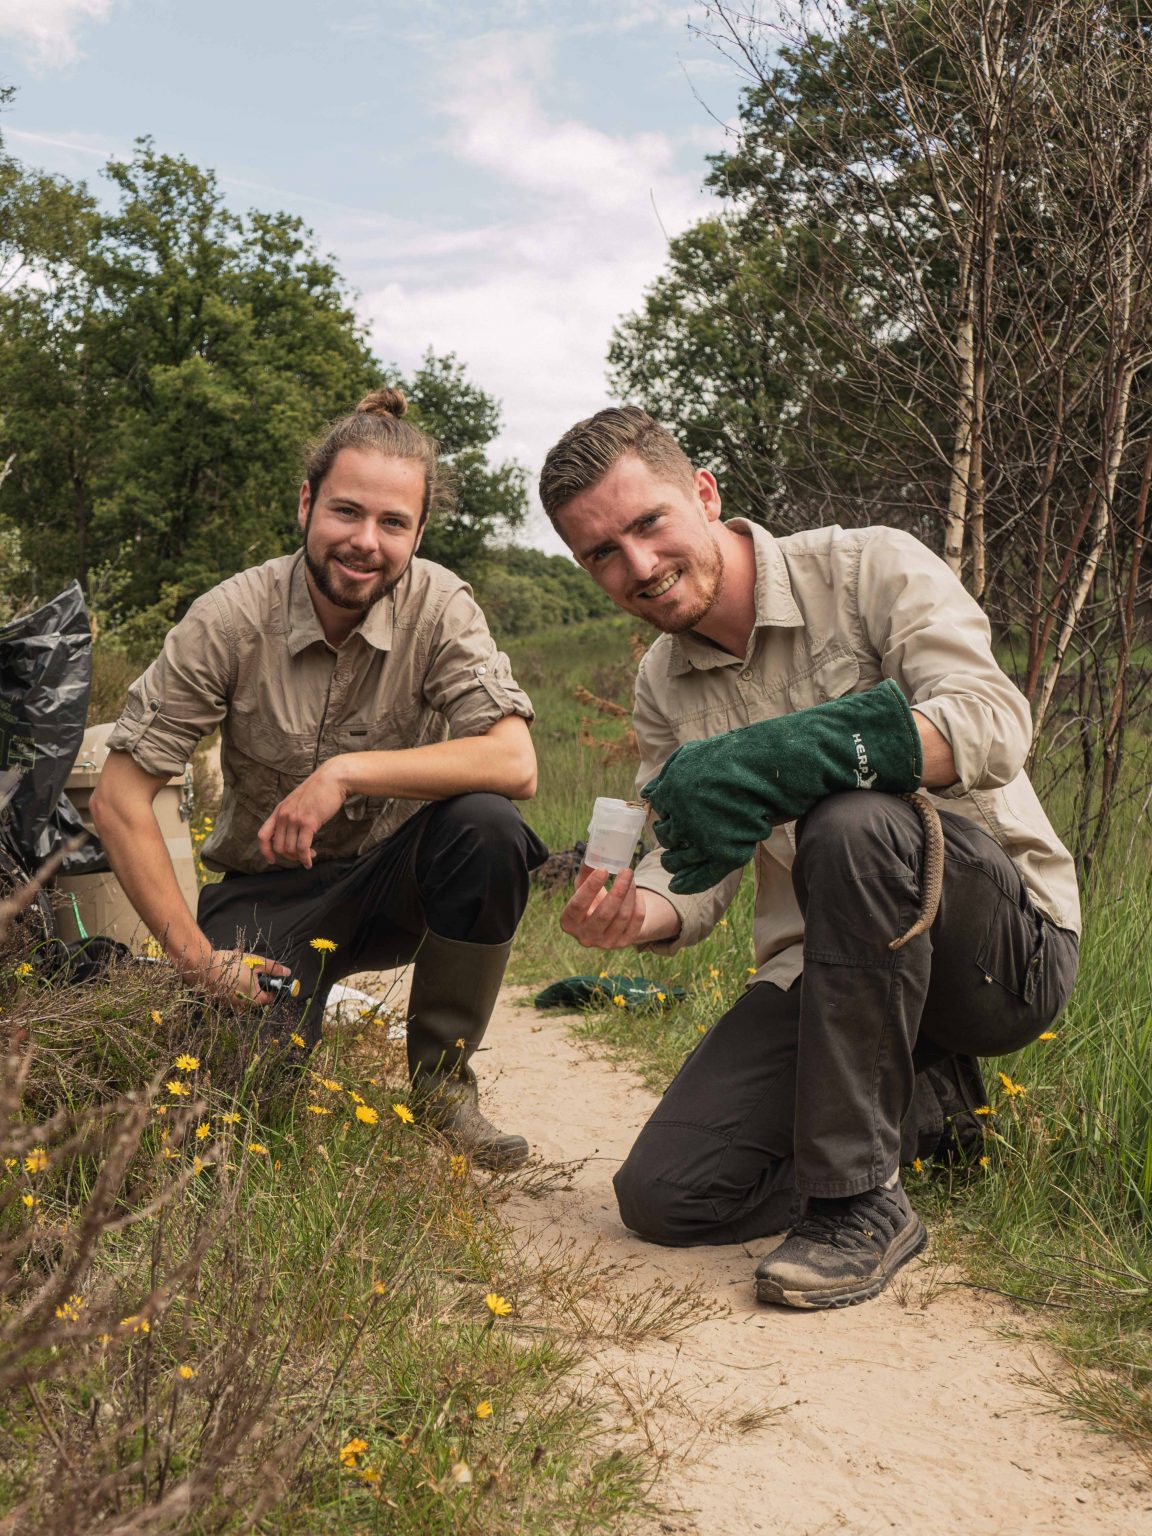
{"type": "Point", "coordinates": [717, 799]}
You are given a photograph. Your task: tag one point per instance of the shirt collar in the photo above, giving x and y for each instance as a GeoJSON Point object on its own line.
{"type": "Point", "coordinates": [775, 607]}
{"type": "Point", "coordinates": [303, 627]}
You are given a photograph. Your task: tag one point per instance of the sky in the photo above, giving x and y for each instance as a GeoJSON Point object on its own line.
{"type": "Point", "coordinates": [497, 181]}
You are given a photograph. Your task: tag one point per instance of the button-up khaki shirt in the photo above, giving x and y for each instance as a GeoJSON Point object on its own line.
{"type": "Point", "coordinates": [836, 612]}
{"type": "Point", "coordinates": [251, 657]}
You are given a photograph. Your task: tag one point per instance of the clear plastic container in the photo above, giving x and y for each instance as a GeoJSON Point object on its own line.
{"type": "Point", "coordinates": [612, 835]}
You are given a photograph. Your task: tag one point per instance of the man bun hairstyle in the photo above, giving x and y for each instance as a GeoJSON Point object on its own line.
{"type": "Point", "coordinates": [378, 422]}
{"type": "Point", "coordinates": [587, 451]}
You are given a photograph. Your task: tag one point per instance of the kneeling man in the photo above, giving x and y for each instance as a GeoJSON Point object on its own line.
{"type": "Point", "coordinates": [798, 688]}
{"type": "Point", "coordinates": [337, 676]}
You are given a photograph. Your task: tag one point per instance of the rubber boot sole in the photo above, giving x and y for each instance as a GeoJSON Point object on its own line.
{"type": "Point", "coordinates": [910, 1241]}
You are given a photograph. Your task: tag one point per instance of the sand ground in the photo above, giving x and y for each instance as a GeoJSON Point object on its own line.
{"type": "Point", "coordinates": [909, 1413]}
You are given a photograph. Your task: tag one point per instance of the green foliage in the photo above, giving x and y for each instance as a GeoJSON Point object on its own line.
{"type": "Point", "coordinates": [522, 590]}
{"type": "Point", "coordinates": [486, 501]}
{"type": "Point", "coordinates": [162, 376]}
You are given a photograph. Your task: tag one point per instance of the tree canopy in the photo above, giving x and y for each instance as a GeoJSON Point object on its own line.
{"type": "Point", "coordinates": [162, 365]}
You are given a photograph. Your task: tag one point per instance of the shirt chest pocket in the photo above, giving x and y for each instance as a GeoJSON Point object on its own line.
{"type": "Point", "coordinates": [262, 764]}
{"type": "Point", "coordinates": [828, 677]}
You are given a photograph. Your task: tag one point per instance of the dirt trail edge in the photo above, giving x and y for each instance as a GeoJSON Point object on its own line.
{"type": "Point", "coordinates": [909, 1413]}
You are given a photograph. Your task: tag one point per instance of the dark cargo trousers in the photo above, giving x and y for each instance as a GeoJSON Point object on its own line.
{"type": "Point", "coordinates": [458, 868]}
{"type": "Point", "coordinates": [802, 1092]}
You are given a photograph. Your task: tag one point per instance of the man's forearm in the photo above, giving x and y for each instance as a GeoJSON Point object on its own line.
{"type": "Point", "coordinates": [142, 864]}
{"type": "Point", "coordinates": [501, 762]}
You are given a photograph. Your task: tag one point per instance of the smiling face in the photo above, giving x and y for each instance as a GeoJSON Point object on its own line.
{"type": "Point", "coordinates": [649, 542]}
{"type": "Point", "coordinates": [360, 532]}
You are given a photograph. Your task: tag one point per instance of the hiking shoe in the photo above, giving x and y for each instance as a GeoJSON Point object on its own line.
{"type": "Point", "coordinates": [842, 1251]}
{"type": "Point", "coordinates": [453, 1108]}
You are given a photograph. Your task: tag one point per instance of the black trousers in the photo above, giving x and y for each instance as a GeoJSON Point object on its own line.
{"type": "Point", "coordinates": [802, 1092]}
{"type": "Point", "coordinates": [458, 867]}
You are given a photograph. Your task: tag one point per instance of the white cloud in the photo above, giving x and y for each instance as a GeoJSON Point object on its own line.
{"type": "Point", "coordinates": [45, 30]}
{"type": "Point", "coordinates": [529, 299]}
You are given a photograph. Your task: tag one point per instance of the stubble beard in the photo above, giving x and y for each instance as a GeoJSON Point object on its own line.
{"type": "Point", "coordinates": [680, 622]}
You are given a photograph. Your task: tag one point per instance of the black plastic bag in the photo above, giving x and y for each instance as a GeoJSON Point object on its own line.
{"type": "Point", "coordinates": [45, 679]}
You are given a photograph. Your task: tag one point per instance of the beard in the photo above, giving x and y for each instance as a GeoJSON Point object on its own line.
{"type": "Point", "coordinates": [329, 583]}
{"type": "Point", "coordinates": [678, 621]}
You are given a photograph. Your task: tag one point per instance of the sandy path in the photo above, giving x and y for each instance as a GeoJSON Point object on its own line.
{"type": "Point", "coordinates": [907, 1413]}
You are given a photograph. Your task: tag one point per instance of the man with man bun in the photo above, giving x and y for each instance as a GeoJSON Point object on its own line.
{"type": "Point", "coordinates": [800, 687]}
{"type": "Point", "coordinates": [373, 740]}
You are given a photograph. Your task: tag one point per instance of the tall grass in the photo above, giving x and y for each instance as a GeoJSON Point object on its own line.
{"type": "Point", "coordinates": [1061, 1215]}
{"type": "Point", "coordinates": [242, 1292]}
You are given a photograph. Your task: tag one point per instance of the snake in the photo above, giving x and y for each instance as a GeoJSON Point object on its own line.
{"type": "Point", "coordinates": [933, 879]}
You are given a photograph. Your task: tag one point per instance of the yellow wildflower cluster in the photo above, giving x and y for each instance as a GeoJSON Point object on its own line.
{"type": "Point", "coordinates": [69, 1311]}
{"type": "Point", "coordinates": [351, 1453]}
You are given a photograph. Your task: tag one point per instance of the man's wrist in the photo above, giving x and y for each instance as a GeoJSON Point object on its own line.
{"type": "Point", "coordinates": [662, 922]}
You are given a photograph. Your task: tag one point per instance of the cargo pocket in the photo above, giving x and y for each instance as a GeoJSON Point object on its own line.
{"type": "Point", "coordinates": [1012, 953]}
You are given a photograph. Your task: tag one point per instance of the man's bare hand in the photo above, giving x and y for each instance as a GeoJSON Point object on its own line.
{"type": "Point", "coordinates": [602, 916]}
{"type": "Point", "coordinates": [286, 837]}
{"type": "Point", "coordinates": [230, 976]}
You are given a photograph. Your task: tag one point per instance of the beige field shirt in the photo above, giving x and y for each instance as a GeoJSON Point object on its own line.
{"type": "Point", "coordinates": [251, 657]}
{"type": "Point", "coordinates": [836, 612]}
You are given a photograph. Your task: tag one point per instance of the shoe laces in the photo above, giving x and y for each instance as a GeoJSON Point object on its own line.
{"type": "Point", "coordinates": [842, 1224]}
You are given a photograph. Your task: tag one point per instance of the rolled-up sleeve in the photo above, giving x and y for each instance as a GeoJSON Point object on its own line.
{"type": "Point", "coordinates": [698, 913]}
{"type": "Point", "coordinates": [933, 639]}
{"type": "Point", "coordinates": [468, 680]}
{"type": "Point", "coordinates": [182, 696]}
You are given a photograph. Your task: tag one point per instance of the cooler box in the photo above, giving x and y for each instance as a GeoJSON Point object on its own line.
{"type": "Point", "coordinates": [99, 899]}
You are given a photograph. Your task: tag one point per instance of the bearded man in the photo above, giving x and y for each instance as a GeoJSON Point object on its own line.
{"type": "Point", "coordinates": [372, 742]}
{"type": "Point", "coordinates": [799, 688]}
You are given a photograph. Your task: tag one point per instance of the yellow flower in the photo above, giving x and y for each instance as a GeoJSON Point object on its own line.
{"type": "Point", "coordinates": [297, 1040]}
{"type": "Point", "coordinates": [661, 997]}
{"type": "Point", "coordinates": [186, 1063]}
{"type": "Point", "coordinates": [1049, 1034]}
{"type": "Point", "coordinates": [230, 1117]}
{"type": "Point", "coordinates": [484, 1410]}
{"type": "Point", "coordinates": [459, 1164]}
{"type": "Point", "coordinates": [984, 1110]}
{"type": "Point", "coordinates": [255, 962]}
{"type": "Point", "coordinates": [723, 922]}
{"type": "Point", "coordinates": [258, 1148]}
{"type": "Point", "coordinates": [11, 1162]}
{"type": "Point", "coordinates": [984, 1162]}
{"type": "Point", "coordinates": [153, 948]}
{"type": "Point", "coordinates": [602, 975]}
{"type": "Point", "coordinates": [751, 969]}
{"type": "Point", "coordinates": [620, 1000]}
{"type": "Point", "coordinates": [157, 1017]}
{"type": "Point", "coordinates": [497, 1305]}
{"type": "Point", "coordinates": [917, 1166]}
{"type": "Point", "coordinates": [351, 1453]}
{"type": "Point", "coordinates": [1011, 1088]}
{"type": "Point", "coordinates": [185, 1373]}
{"type": "Point", "coordinates": [318, 1109]}
{"type": "Point", "coordinates": [366, 1114]}
{"type": "Point", "coordinates": [330, 1083]}
{"type": "Point", "coordinates": [460, 1043]}
{"type": "Point", "coordinates": [402, 1112]}
{"type": "Point", "coordinates": [177, 1090]}
{"type": "Point", "coordinates": [24, 969]}
{"type": "Point", "coordinates": [36, 1161]}
{"type": "Point", "coordinates": [69, 1312]}
{"type": "Point", "coordinates": [29, 1200]}
{"type": "Point", "coordinates": [325, 946]}
{"type": "Point", "coordinates": [379, 1288]}
{"type": "Point", "coordinates": [368, 1475]}
{"type": "Point", "coordinates": [203, 1130]}
{"type": "Point", "coordinates": [137, 1323]}
{"type": "Point", "coordinates": [713, 973]}
{"type": "Point", "coordinates": [701, 1029]}
{"type": "Point", "coordinates": [198, 1165]}
{"type": "Point", "coordinates": [354, 1096]}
